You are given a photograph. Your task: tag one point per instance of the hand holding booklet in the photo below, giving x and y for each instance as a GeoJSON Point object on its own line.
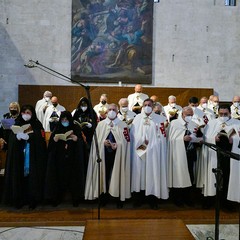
{"type": "Point", "coordinates": [64, 136]}
{"type": "Point", "coordinates": [27, 128]}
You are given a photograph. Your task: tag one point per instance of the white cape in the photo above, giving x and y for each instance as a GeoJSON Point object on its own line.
{"type": "Point", "coordinates": [149, 170]}
{"type": "Point", "coordinates": [119, 185]}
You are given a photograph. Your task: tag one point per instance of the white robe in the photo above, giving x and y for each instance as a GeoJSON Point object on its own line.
{"type": "Point", "coordinates": [135, 98]}
{"type": "Point", "coordinates": [48, 114]}
{"type": "Point", "coordinates": [129, 117]}
{"type": "Point", "coordinates": [100, 107]}
{"type": "Point", "coordinates": [178, 174]}
{"type": "Point", "coordinates": [40, 105]}
{"type": "Point", "coordinates": [149, 172]}
{"type": "Point", "coordinates": [206, 179]}
{"type": "Point", "coordinates": [119, 185]}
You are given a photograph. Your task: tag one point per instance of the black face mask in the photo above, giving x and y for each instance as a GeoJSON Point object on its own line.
{"type": "Point", "coordinates": [158, 112]}
{"type": "Point", "coordinates": [13, 112]}
{"type": "Point", "coordinates": [103, 102]}
{"type": "Point", "coordinates": [55, 104]}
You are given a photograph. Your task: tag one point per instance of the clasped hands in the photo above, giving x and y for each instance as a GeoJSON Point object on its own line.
{"type": "Point", "coordinates": [108, 143]}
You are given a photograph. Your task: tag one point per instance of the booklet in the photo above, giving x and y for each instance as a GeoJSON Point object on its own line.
{"type": "Point", "coordinates": [7, 123]}
{"type": "Point", "coordinates": [27, 128]}
{"type": "Point", "coordinates": [64, 136]}
{"type": "Point", "coordinates": [141, 150]}
{"type": "Point", "coordinates": [81, 125]}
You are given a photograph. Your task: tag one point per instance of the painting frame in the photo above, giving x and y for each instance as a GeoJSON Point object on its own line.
{"type": "Point", "coordinates": [112, 41]}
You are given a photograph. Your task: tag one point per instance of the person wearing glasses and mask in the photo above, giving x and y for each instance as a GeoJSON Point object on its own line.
{"type": "Point", "coordinates": [235, 107]}
{"type": "Point", "coordinates": [148, 155]}
{"type": "Point", "coordinates": [114, 150]}
{"type": "Point", "coordinates": [224, 133]}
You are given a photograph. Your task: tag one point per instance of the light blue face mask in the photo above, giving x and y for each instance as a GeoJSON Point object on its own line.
{"type": "Point", "coordinates": [65, 124]}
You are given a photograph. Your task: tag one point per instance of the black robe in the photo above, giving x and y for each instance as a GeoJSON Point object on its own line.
{"type": "Point", "coordinates": [65, 167]}
{"type": "Point", "coordinates": [19, 189]}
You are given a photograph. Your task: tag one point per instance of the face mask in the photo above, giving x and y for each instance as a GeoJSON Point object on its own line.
{"type": "Point", "coordinates": [65, 124]}
{"type": "Point", "coordinates": [223, 119]}
{"type": "Point", "coordinates": [158, 112]}
{"type": "Point", "coordinates": [47, 99]}
{"type": "Point", "coordinates": [188, 118]}
{"type": "Point", "coordinates": [84, 109]}
{"type": "Point", "coordinates": [124, 109]}
{"type": "Point", "coordinates": [26, 117]}
{"type": "Point", "coordinates": [204, 105]}
{"type": "Point", "coordinates": [103, 102]}
{"type": "Point", "coordinates": [236, 104]}
{"type": "Point", "coordinates": [13, 112]}
{"type": "Point", "coordinates": [54, 104]}
{"type": "Point", "coordinates": [112, 115]}
{"type": "Point", "coordinates": [173, 104]}
{"type": "Point", "coordinates": [147, 110]}
{"type": "Point", "coordinates": [138, 94]}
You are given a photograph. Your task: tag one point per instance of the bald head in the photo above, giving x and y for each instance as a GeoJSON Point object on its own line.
{"type": "Point", "coordinates": [138, 88]}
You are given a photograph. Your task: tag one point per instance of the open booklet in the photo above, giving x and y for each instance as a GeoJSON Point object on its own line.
{"type": "Point", "coordinates": [64, 136]}
{"type": "Point", "coordinates": [27, 128]}
{"type": "Point", "coordinates": [228, 133]}
{"type": "Point", "coordinates": [7, 123]}
{"type": "Point", "coordinates": [141, 150]}
{"type": "Point", "coordinates": [81, 125]}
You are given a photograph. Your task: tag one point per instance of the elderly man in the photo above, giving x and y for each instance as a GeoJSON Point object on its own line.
{"type": "Point", "coordinates": [101, 107]}
{"type": "Point", "coordinates": [224, 133]}
{"type": "Point", "coordinates": [214, 104]}
{"type": "Point", "coordinates": [235, 107]}
{"type": "Point", "coordinates": [124, 114]}
{"type": "Point", "coordinates": [114, 150]}
{"type": "Point", "coordinates": [136, 99]}
{"type": "Point", "coordinates": [208, 114]}
{"type": "Point", "coordinates": [172, 109]}
{"type": "Point", "coordinates": [148, 156]}
{"type": "Point", "coordinates": [52, 115]}
{"type": "Point", "coordinates": [182, 154]}
{"type": "Point", "coordinates": [42, 105]}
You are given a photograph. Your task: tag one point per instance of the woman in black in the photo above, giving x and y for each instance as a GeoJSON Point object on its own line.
{"type": "Point", "coordinates": [26, 162]}
{"type": "Point", "coordinates": [65, 167]}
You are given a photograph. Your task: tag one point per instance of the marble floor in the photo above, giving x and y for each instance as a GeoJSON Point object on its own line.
{"type": "Point", "coordinates": [41, 233]}
{"type": "Point", "coordinates": [207, 232]}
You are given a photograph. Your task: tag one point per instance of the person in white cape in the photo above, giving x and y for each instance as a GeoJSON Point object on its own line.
{"type": "Point", "coordinates": [224, 133]}
{"type": "Point", "coordinates": [114, 150]}
{"type": "Point", "coordinates": [148, 156]}
{"type": "Point", "coordinates": [183, 137]}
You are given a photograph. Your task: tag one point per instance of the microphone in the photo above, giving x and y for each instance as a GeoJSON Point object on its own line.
{"type": "Point", "coordinates": [30, 64]}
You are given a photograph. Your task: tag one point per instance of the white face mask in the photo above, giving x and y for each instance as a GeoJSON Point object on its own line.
{"type": "Point", "coordinates": [124, 109]}
{"type": "Point", "coordinates": [236, 104]}
{"type": "Point", "coordinates": [47, 99]}
{"type": "Point", "coordinates": [112, 115]}
{"type": "Point", "coordinates": [223, 119]}
{"type": "Point", "coordinates": [204, 105]}
{"type": "Point", "coordinates": [138, 94]}
{"type": "Point", "coordinates": [188, 119]}
{"type": "Point", "coordinates": [147, 110]}
{"type": "Point", "coordinates": [173, 105]}
{"type": "Point", "coordinates": [84, 109]}
{"type": "Point", "coordinates": [26, 117]}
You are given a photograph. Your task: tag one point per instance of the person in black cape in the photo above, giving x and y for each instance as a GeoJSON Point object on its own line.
{"type": "Point", "coordinates": [65, 167]}
{"type": "Point", "coordinates": [82, 114]}
{"type": "Point", "coordinates": [26, 162]}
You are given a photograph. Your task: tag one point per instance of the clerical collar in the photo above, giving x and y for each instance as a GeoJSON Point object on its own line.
{"type": "Point", "coordinates": [115, 121]}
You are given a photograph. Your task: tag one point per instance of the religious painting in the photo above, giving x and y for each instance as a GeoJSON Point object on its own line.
{"type": "Point", "coordinates": [112, 41]}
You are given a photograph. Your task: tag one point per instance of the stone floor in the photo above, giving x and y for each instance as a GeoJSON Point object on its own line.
{"type": "Point", "coordinates": [207, 232]}
{"type": "Point", "coordinates": [41, 233]}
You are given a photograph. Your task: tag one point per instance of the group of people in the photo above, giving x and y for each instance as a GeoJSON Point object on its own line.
{"type": "Point", "coordinates": [137, 149]}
